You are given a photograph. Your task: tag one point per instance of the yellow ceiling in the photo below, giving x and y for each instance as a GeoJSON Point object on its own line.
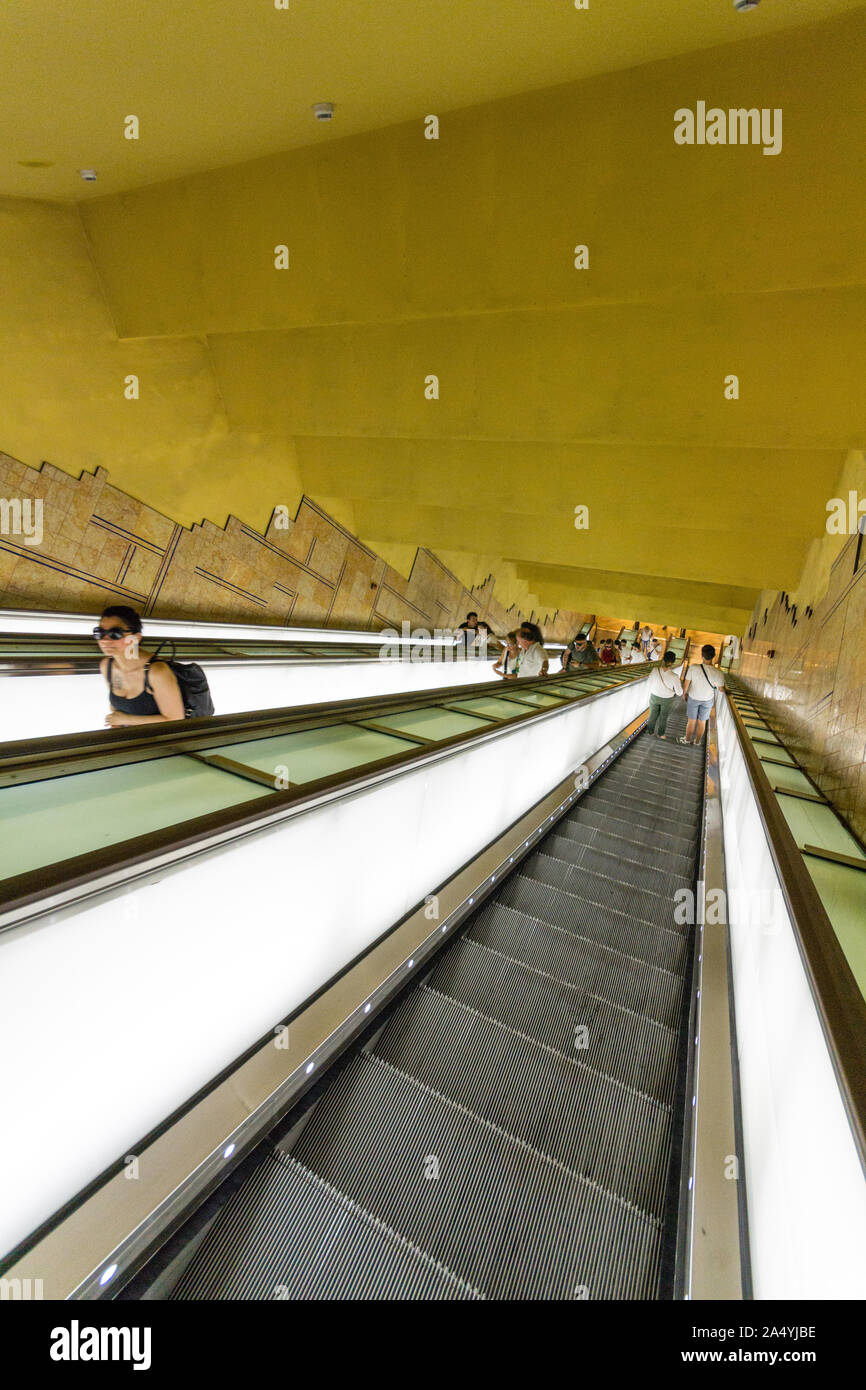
{"type": "Point", "coordinates": [408, 257]}
{"type": "Point", "coordinates": [214, 84]}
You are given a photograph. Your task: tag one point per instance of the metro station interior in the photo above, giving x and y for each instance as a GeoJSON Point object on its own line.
{"type": "Point", "coordinates": [457, 412]}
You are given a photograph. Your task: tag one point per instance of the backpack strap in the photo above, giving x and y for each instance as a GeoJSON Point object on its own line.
{"type": "Point", "coordinates": [166, 642]}
{"type": "Point", "coordinates": [710, 683]}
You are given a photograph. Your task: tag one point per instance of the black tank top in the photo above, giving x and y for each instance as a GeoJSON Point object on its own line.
{"type": "Point", "coordinates": [145, 703]}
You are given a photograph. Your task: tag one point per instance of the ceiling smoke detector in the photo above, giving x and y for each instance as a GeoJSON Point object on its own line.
{"type": "Point", "coordinates": [89, 175]}
{"type": "Point", "coordinates": [743, 5]}
{"type": "Point", "coordinates": [323, 110]}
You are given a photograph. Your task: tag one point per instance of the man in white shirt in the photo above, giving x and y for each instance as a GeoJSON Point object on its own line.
{"type": "Point", "coordinates": [533, 658]}
{"type": "Point", "coordinates": [730, 652]}
{"type": "Point", "coordinates": [663, 684]}
{"type": "Point", "coordinates": [646, 636]}
{"type": "Point", "coordinates": [699, 691]}
{"type": "Point", "coordinates": [655, 651]}
{"type": "Point", "coordinates": [636, 656]}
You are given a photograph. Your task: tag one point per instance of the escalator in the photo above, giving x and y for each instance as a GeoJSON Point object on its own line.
{"type": "Point", "coordinates": [512, 1129]}
{"type": "Point", "coordinates": [50, 681]}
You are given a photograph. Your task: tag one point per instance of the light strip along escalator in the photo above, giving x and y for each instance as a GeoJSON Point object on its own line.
{"type": "Point", "coordinates": [475, 1148]}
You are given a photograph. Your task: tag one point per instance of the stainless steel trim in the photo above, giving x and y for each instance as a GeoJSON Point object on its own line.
{"type": "Point", "coordinates": [377, 728]}
{"type": "Point", "coordinates": [801, 796]}
{"type": "Point", "coordinates": [122, 1222]}
{"type": "Point", "coordinates": [716, 1206]}
{"type": "Point", "coordinates": [834, 857]}
{"type": "Point", "coordinates": [242, 770]}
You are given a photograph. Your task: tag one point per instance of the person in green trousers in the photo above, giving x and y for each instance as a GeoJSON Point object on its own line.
{"type": "Point", "coordinates": [663, 685]}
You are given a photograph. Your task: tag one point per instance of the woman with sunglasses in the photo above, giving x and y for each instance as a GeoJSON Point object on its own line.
{"type": "Point", "coordinates": [140, 690]}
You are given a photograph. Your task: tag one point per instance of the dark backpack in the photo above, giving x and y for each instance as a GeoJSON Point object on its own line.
{"type": "Point", "coordinates": [194, 689]}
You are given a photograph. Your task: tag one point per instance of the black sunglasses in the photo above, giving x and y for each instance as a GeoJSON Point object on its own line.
{"type": "Point", "coordinates": [114, 633]}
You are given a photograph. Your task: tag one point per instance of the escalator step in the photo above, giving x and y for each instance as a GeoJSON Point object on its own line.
{"type": "Point", "coordinates": [287, 1234]}
{"type": "Point", "coordinates": [596, 1127]}
{"type": "Point", "coordinates": [655, 791]}
{"type": "Point", "coordinates": [626, 1046]}
{"type": "Point", "coordinates": [654, 759]}
{"type": "Point", "coordinates": [637, 902]}
{"type": "Point", "coordinates": [625, 849]}
{"type": "Point", "coordinates": [643, 830]}
{"type": "Point", "coordinates": [657, 946]}
{"type": "Point", "coordinates": [622, 980]}
{"type": "Point", "coordinates": [660, 878]}
{"type": "Point", "coordinates": [509, 1221]}
{"type": "Point", "coordinates": [643, 803]}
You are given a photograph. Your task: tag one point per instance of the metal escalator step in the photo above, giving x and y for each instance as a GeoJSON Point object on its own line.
{"type": "Point", "coordinates": [659, 877]}
{"type": "Point", "coordinates": [654, 761]}
{"type": "Point", "coordinates": [622, 980]}
{"type": "Point", "coordinates": [287, 1234]}
{"type": "Point", "coordinates": [672, 759]}
{"type": "Point", "coordinates": [645, 829]}
{"type": "Point", "coordinates": [641, 903]}
{"type": "Point", "coordinates": [651, 789]}
{"type": "Point", "coordinates": [646, 803]}
{"type": "Point", "coordinates": [678, 805]}
{"type": "Point", "coordinates": [656, 776]}
{"type": "Point", "coordinates": [643, 784]}
{"type": "Point", "coordinates": [626, 1046]}
{"type": "Point", "coordinates": [509, 1221]}
{"type": "Point", "coordinates": [668, 758]}
{"type": "Point", "coordinates": [598, 1128]}
{"type": "Point", "coordinates": [666, 948]}
{"type": "Point", "coordinates": [608, 842]}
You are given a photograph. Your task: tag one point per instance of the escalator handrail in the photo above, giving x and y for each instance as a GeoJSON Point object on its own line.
{"type": "Point", "coordinates": [838, 1000]}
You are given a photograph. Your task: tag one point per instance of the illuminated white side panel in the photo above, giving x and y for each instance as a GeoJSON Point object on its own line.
{"type": "Point", "coordinates": [77, 624]}
{"type": "Point", "coordinates": [40, 706]}
{"type": "Point", "coordinates": [113, 1015]}
{"type": "Point", "coordinates": [804, 1183]}
{"type": "Point", "coordinates": [81, 625]}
